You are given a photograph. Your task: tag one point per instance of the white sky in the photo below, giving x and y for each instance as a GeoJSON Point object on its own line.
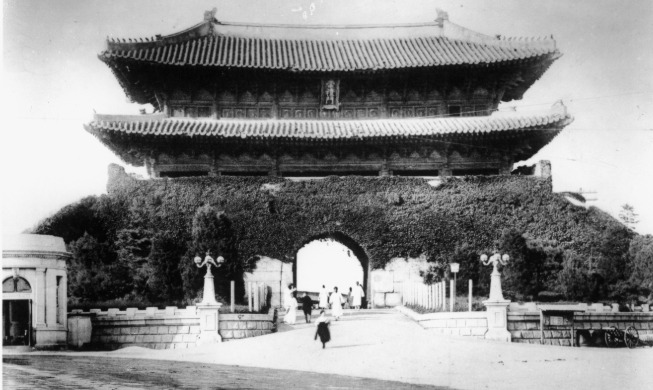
{"type": "Point", "coordinates": [327, 263]}
{"type": "Point", "coordinates": [53, 81]}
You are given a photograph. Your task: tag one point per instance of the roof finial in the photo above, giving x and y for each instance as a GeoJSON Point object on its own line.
{"type": "Point", "coordinates": [209, 16]}
{"type": "Point", "coordinates": [442, 16]}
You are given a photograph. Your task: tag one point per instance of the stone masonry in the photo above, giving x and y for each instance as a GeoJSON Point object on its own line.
{"type": "Point", "coordinates": [169, 328]}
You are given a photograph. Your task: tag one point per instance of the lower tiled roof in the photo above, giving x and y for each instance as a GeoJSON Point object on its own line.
{"type": "Point", "coordinates": [159, 126]}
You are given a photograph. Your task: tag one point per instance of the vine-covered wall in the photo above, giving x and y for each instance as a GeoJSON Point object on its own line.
{"type": "Point", "coordinates": [387, 216]}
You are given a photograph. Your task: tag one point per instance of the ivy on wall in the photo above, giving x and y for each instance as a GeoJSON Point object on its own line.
{"type": "Point", "coordinates": [387, 216]}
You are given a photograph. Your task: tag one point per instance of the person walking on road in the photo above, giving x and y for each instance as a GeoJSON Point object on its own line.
{"type": "Point", "coordinates": [358, 295]}
{"type": "Point", "coordinates": [322, 329]}
{"type": "Point", "coordinates": [287, 297]}
{"type": "Point", "coordinates": [324, 298]}
{"type": "Point", "coordinates": [307, 307]}
{"type": "Point", "coordinates": [291, 314]}
{"type": "Point", "coordinates": [348, 299]}
{"type": "Point", "coordinates": [336, 303]}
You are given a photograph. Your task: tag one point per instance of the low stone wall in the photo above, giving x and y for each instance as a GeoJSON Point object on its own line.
{"type": "Point", "coordinates": [158, 328]}
{"type": "Point", "coordinates": [238, 326]}
{"type": "Point", "coordinates": [525, 326]}
{"type": "Point", "coordinates": [467, 324]}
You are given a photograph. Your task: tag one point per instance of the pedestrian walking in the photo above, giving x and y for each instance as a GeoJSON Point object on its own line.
{"type": "Point", "coordinates": [323, 329]}
{"type": "Point", "coordinates": [287, 297]}
{"type": "Point", "coordinates": [348, 300]}
{"type": "Point", "coordinates": [358, 295]}
{"type": "Point", "coordinates": [324, 298]}
{"type": "Point", "coordinates": [336, 303]}
{"type": "Point", "coordinates": [291, 314]}
{"type": "Point", "coordinates": [307, 307]}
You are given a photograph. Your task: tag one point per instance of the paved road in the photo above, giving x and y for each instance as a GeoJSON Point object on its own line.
{"type": "Point", "coordinates": [387, 345]}
{"type": "Point", "coordinates": [28, 372]}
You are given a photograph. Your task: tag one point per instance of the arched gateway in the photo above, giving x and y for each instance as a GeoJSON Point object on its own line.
{"type": "Point", "coordinates": [275, 275]}
{"type": "Point", "coordinates": [330, 259]}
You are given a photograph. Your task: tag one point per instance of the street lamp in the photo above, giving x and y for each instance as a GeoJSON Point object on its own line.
{"type": "Point", "coordinates": [495, 282]}
{"type": "Point", "coordinates": [209, 288]}
{"type": "Point", "coordinates": [455, 267]}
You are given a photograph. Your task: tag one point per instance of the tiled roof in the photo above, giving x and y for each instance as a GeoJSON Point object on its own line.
{"type": "Point", "coordinates": [159, 126]}
{"type": "Point", "coordinates": [329, 49]}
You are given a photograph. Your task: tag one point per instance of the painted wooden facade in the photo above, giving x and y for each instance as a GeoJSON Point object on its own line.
{"type": "Point", "coordinates": [244, 99]}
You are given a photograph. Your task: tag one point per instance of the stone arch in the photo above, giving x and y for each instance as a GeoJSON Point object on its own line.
{"type": "Point", "coordinates": [357, 250]}
{"type": "Point", "coordinates": [16, 285]}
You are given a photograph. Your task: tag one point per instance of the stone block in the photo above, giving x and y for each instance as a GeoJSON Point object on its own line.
{"type": "Point", "coordinates": [162, 330]}
{"type": "Point", "coordinates": [183, 330]}
{"type": "Point", "coordinates": [134, 330]}
{"type": "Point", "coordinates": [532, 325]}
{"type": "Point", "coordinates": [173, 329]}
{"type": "Point", "coordinates": [520, 325]}
{"type": "Point", "coordinates": [516, 334]}
{"type": "Point", "coordinates": [465, 332]}
{"type": "Point", "coordinates": [148, 338]}
{"type": "Point", "coordinates": [167, 338]}
{"type": "Point", "coordinates": [239, 334]}
{"type": "Point", "coordinates": [140, 338]}
{"type": "Point", "coordinates": [565, 342]}
{"type": "Point", "coordinates": [130, 339]}
{"type": "Point", "coordinates": [249, 333]}
{"type": "Point", "coordinates": [251, 325]}
{"type": "Point", "coordinates": [195, 329]}
{"type": "Point", "coordinates": [158, 338]}
{"type": "Point", "coordinates": [227, 334]}
{"type": "Point", "coordinates": [190, 338]}
{"type": "Point", "coordinates": [178, 338]}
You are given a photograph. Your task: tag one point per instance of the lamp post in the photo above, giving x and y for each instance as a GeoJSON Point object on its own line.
{"type": "Point", "coordinates": [208, 297]}
{"type": "Point", "coordinates": [496, 305]}
{"type": "Point", "coordinates": [455, 267]}
{"type": "Point", "coordinates": [496, 293]}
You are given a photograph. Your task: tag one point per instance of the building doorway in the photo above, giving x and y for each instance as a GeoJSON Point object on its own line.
{"type": "Point", "coordinates": [16, 322]}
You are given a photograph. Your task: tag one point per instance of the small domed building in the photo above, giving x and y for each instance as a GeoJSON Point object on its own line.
{"type": "Point", "coordinates": [34, 290]}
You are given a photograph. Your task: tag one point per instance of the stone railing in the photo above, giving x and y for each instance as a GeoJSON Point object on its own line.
{"type": "Point", "coordinates": [157, 328]}
{"type": "Point", "coordinates": [467, 324]}
{"type": "Point", "coordinates": [524, 327]}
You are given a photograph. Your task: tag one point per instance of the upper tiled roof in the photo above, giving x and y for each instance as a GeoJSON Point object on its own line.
{"type": "Point", "coordinates": [160, 126]}
{"type": "Point", "coordinates": [327, 48]}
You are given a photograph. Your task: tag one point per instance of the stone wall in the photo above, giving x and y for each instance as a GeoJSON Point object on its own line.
{"type": "Point", "coordinates": [238, 326]}
{"type": "Point", "coordinates": [467, 324]}
{"type": "Point", "coordinates": [525, 326]}
{"type": "Point", "coordinates": [159, 328]}
{"type": "Point", "coordinates": [274, 274]}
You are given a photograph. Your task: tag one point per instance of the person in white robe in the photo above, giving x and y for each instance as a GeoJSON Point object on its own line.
{"type": "Point", "coordinates": [358, 295]}
{"type": "Point", "coordinates": [287, 295]}
{"type": "Point", "coordinates": [291, 313]}
{"type": "Point", "coordinates": [324, 298]}
{"type": "Point", "coordinates": [336, 303]}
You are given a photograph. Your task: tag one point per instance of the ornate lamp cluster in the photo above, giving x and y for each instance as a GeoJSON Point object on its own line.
{"type": "Point", "coordinates": [209, 288]}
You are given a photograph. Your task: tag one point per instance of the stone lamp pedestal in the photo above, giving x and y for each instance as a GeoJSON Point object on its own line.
{"type": "Point", "coordinates": [497, 311]}
{"type": "Point", "coordinates": [209, 311]}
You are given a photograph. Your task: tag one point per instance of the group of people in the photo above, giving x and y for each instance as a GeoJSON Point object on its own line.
{"type": "Point", "coordinates": [334, 300]}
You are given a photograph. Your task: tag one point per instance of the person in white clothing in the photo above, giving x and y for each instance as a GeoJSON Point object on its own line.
{"type": "Point", "coordinates": [324, 298]}
{"type": "Point", "coordinates": [336, 303]}
{"type": "Point", "coordinates": [358, 295]}
{"type": "Point", "coordinates": [287, 297]}
{"type": "Point", "coordinates": [291, 314]}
